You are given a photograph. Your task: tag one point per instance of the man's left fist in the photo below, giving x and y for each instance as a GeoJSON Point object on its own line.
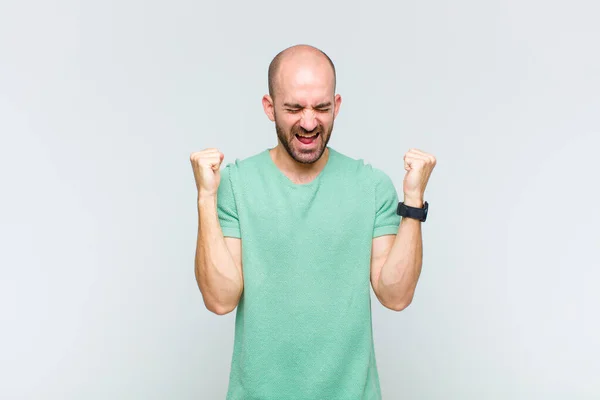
{"type": "Point", "coordinates": [419, 166]}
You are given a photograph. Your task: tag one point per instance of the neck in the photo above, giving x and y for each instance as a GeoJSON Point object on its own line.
{"type": "Point", "coordinates": [297, 172]}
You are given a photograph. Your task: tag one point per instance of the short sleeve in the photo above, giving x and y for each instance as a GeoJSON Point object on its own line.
{"type": "Point", "coordinates": [386, 203]}
{"type": "Point", "coordinates": [226, 206]}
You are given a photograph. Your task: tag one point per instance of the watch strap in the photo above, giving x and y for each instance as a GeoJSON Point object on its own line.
{"type": "Point", "coordinates": [413, 212]}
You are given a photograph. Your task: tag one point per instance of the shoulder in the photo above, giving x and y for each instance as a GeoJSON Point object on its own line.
{"type": "Point", "coordinates": [362, 169]}
{"type": "Point", "coordinates": [237, 166]}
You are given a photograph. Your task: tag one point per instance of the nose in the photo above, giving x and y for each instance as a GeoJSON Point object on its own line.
{"type": "Point", "coordinates": [308, 121]}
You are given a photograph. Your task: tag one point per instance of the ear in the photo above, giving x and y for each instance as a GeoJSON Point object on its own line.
{"type": "Point", "coordinates": [337, 103]}
{"type": "Point", "coordinates": [268, 106]}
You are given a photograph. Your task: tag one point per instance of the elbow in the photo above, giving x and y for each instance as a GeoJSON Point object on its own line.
{"type": "Point", "coordinates": [401, 304]}
{"type": "Point", "coordinates": [219, 304]}
{"type": "Point", "coordinates": [222, 306]}
{"type": "Point", "coordinates": [220, 309]}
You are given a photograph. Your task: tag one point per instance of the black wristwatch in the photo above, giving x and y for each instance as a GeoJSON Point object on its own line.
{"type": "Point", "coordinates": [413, 212]}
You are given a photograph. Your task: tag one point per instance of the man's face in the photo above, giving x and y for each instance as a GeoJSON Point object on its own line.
{"type": "Point", "coordinates": [304, 110]}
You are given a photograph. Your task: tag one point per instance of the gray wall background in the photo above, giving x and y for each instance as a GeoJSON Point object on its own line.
{"type": "Point", "coordinates": [101, 104]}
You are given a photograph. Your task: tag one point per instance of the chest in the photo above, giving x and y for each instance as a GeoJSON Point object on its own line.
{"type": "Point", "coordinates": [335, 213]}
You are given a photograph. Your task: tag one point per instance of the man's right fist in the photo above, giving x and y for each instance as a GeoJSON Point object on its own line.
{"type": "Point", "coordinates": [206, 164]}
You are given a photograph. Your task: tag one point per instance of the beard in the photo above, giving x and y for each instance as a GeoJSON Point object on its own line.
{"type": "Point", "coordinates": [289, 142]}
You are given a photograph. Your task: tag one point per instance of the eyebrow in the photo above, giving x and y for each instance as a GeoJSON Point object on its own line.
{"type": "Point", "coordinates": [296, 105]}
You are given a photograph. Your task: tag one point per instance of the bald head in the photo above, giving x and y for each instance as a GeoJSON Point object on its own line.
{"type": "Point", "coordinates": [297, 56]}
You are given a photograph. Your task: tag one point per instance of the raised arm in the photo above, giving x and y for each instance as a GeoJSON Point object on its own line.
{"type": "Point", "coordinates": [218, 260]}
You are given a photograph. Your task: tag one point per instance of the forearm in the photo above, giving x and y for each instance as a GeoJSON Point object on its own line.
{"type": "Point", "coordinates": [401, 269]}
{"type": "Point", "coordinates": [217, 275]}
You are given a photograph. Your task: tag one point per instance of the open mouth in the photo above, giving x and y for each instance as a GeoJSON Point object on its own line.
{"type": "Point", "coordinates": [307, 139]}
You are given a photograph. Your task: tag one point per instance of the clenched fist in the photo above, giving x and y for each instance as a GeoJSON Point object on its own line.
{"type": "Point", "coordinates": [206, 164]}
{"type": "Point", "coordinates": [419, 166]}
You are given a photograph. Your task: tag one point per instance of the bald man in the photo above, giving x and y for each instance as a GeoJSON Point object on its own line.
{"type": "Point", "coordinates": [294, 237]}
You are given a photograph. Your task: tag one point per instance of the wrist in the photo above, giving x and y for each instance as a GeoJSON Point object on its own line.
{"type": "Point", "coordinates": [413, 201]}
{"type": "Point", "coordinates": [206, 199]}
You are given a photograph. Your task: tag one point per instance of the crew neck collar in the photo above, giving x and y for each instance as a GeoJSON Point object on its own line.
{"type": "Point", "coordinates": [287, 181]}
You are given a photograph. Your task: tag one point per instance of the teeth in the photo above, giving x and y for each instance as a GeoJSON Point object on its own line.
{"type": "Point", "coordinates": [307, 136]}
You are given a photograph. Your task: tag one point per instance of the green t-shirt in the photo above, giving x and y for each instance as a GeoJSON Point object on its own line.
{"type": "Point", "coordinates": [303, 325]}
